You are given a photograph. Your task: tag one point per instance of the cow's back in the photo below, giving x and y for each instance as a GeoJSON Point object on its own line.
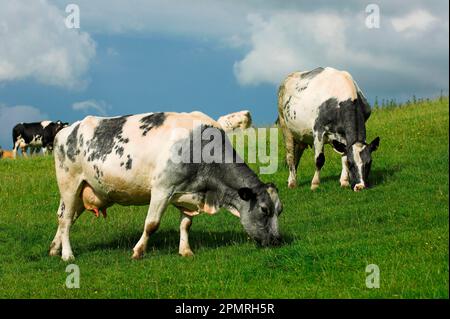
{"type": "Point", "coordinates": [122, 157]}
{"type": "Point", "coordinates": [303, 93]}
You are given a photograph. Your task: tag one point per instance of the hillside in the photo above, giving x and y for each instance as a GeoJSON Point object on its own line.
{"type": "Point", "coordinates": [401, 225]}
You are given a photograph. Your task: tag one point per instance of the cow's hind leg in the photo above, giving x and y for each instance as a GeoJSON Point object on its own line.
{"type": "Point", "coordinates": [158, 205]}
{"type": "Point", "coordinates": [319, 160]}
{"type": "Point", "coordinates": [289, 145]}
{"type": "Point", "coordinates": [68, 211]}
{"type": "Point", "coordinates": [24, 151]}
{"type": "Point", "coordinates": [185, 225]}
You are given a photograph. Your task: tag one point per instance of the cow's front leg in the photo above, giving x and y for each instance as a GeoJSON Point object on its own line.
{"type": "Point", "coordinates": [319, 160]}
{"type": "Point", "coordinates": [344, 174]}
{"type": "Point", "coordinates": [158, 205]}
{"type": "Point", "coordinates": [185, 225]}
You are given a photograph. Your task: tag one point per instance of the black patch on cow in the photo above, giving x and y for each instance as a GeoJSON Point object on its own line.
{"type": "Point", "coordinates": [320, 161]}
{"type": "Point", "coordinates": [107, 136]}
{"type": "Point", "coordinates": [124, 140]}
{"type": "Point", "coordinates": [80, 140]}
{"type": "Point", "coordinates": [312, 74]}
{"type": "Point", "coordinates": [347, 120]}
{"type": "Point", "coordinates": [98, 174]}
{"type": "Point", "coordinates": [61, 153]}
{"type": "Point", "coordinates": [72, 143]}
{"type": "Point", "coordinates": [62, 209]}
{"type": "Point", "coordinates": [189, 175]}
{"type": "Point", "coordinates": [129, 163]}
{"type": "Point", "coordinates": [287, 110]}
{"type": "Point", "coordinates": [119, 150]}
{"type": "Point", "coordinates": [151, 121]}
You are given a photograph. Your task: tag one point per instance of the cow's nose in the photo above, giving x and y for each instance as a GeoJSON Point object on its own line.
{"type": "Point", "coordinates": [359, 187]}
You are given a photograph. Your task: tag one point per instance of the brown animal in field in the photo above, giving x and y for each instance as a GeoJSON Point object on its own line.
{"type": "Point", "coordinates": [6, 154]}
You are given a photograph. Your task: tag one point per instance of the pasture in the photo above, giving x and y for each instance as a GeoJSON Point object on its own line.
{"type": "Point", "coordinates": [331, 235]}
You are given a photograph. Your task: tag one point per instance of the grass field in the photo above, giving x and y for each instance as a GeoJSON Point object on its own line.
{"type": "Point", "coordinates": [401, 225]}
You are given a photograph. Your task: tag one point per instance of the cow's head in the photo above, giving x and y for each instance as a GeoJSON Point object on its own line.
{"type": "Point", "coordinates": [259, 213]}
{"type": "Point", "coordinates": [60, 125]}
{"type": "Point", "coordinates": [359, 161]}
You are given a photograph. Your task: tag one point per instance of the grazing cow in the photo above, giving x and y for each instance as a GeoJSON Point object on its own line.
{"type": "Point", "coordinates": [6, 154]}
{"type": "Point", "coordinates": [238, 120]}
{"type": "Point", "coordinates": [323, 106]}
{"type": "Point", "coordinates": [135, 160]}
{"type": "Point", "coordinates": [36, 136]}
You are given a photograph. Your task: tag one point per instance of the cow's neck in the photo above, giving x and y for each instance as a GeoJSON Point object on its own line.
{"type": "Point", "coordinates": [232, 178]}
{"type": "Point", "coordinates": [354, 127]}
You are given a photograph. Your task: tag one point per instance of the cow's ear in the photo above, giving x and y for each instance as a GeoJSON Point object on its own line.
{"type": "Point", "coordinates": [373, 146]}
{"type": "Point", "coordinates": [246, 194]}
{"type": "Point", "coordinates": [339, 147]}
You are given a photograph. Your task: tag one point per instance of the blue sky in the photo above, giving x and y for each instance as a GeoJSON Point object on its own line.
{"type": "Point", "coordinates": [214, 56]}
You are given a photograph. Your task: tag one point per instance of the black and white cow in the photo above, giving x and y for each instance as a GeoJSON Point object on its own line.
{"type": "Point", "coordinates": [35, 136]}
{"type": "Point", "coordinates": [321, 106]}
{"type": "Point", "coordinates": [158, 158]}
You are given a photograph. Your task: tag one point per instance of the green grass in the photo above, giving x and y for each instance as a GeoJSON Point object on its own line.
{"type": "Point", "coordinates": [401, 224]}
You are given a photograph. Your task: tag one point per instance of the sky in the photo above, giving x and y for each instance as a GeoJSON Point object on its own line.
{"type": "Point", "coordinates": [214, 56]}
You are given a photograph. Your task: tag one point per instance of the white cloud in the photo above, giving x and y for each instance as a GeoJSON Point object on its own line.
{"type": "Point", "coordinates": [418, 20]}
{"type": "Point", "coordinates": [100, 107]}
{"type": "Point", "coordinates": [11, 115]}
{"type": "Point", "coordinates": [287, 42]}
{"type": "Point", "coordinates": [35, 43]}
{"type": "Point", "coordinates": [292, 40]}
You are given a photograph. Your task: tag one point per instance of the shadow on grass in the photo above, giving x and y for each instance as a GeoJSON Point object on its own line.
{"type": "Point", "coordinates": [382, 176]}
{"type": "Point", "coordinates": [376, 177]}
{"type": "Point", "coordinates": [166, 241]}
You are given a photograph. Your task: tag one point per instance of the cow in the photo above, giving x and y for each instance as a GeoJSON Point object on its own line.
{"type": "Point", "coordinates": [35, 135]}
{"type": "Point", "coordinates": [322, 106]}
{"type": "Point", "coordinates": [134, 160]}
{"type": "Point", "coordinates": [238, 120]}
{"type": "Point", "coordinates": [6, 154]}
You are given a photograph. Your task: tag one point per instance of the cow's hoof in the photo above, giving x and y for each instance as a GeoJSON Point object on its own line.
{"type": "Point", "coordinates": [186, 253]}
{"type": "Point", "coordinates": [292, 184]}
{"type": "Point", "coordinates": [314, 187]}
{"type": "Point", "coordinates": [54, 252]}
{"type": "Point", "coordinates": [345, 184]}
{"type": "Point", "coordinates": [137, 255]}
{"type": "Point", "coordinates": [68, 257]}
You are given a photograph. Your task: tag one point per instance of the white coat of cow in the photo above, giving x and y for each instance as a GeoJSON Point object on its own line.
{"type": "Point", "coordinates": [322, 106]}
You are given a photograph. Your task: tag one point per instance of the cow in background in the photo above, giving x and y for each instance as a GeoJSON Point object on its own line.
{"type": "Point", "coordinates": [326, 106]}
{"type": "Point", "coordinates": [35, 136]}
